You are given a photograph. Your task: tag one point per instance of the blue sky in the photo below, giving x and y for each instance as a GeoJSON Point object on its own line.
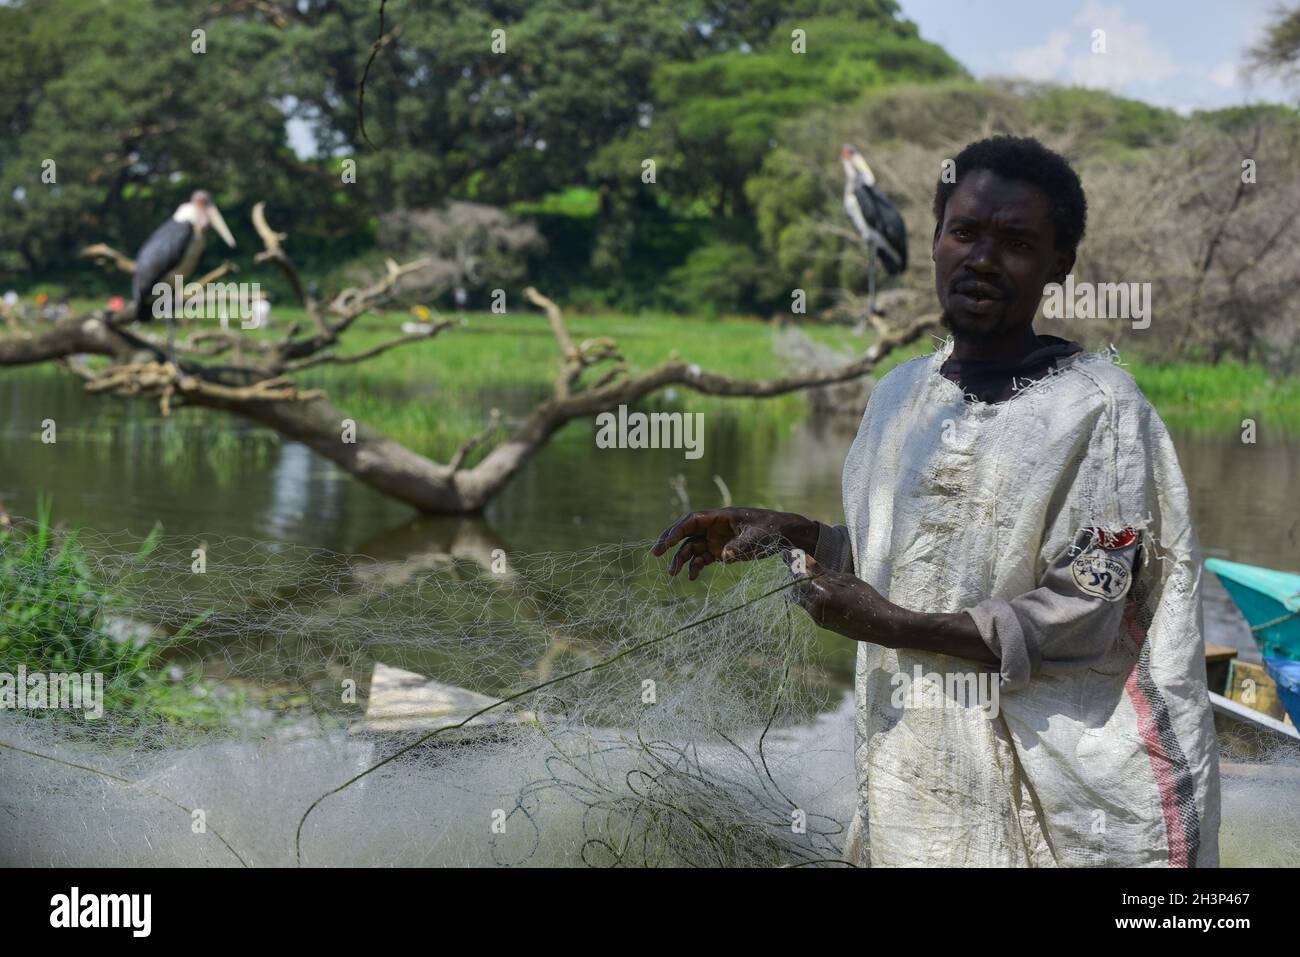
{"type": "Point", "coordinates": [1182, 54]}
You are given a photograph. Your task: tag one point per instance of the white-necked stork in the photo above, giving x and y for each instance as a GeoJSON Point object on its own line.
{"type": "Point", "coordinates": [175, 249]}
{"type": "Point", "coordinates": [876, 219]}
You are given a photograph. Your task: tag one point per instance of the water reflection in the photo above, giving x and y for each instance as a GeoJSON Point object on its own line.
{"type": "Point", "coordinates": [297, 492]}
{"type": "Point", "coordinates": [117, 465]}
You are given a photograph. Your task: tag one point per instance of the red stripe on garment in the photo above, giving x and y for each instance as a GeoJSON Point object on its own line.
{"type": "Point", "coordinates": [1161, 764]}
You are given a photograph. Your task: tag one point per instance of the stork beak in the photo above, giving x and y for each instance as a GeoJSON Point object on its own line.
{"type": "Point", "coordinates": [219, 224]}
{"type": "Point", "coordinates": [867, 176]}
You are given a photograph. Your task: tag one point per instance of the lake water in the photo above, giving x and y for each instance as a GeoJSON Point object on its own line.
{"type": "Point", "coordinates": [118, 466]}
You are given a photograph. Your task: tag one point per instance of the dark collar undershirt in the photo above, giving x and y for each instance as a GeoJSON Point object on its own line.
{"type": "Point", "coordinates": [996, 380]}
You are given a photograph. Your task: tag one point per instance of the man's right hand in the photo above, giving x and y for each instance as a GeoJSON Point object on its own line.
{"type": "Point", "coordinates": [734, 535]}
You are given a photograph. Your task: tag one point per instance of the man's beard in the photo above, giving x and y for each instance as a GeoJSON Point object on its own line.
{"type": "Point", "coordinates": [998, 330]}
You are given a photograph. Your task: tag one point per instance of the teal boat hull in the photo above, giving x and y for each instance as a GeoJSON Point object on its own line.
{"type": "Point", "coordinates": [1270, 602]}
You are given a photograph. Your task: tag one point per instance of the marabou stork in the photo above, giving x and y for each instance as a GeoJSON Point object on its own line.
{"type": "Point", "coordinates": [876, 219]}
{"type": "Point", "coordinates": [175, 249]}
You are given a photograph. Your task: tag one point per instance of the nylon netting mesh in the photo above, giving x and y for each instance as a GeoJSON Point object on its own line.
{"type": "Point", "coordinates": [693, 739]}
{"type": "Point", "coordinates": [698, 724]}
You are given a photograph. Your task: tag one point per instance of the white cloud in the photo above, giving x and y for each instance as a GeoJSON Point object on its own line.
{"type": "Point", "coordinates": [1224, 75]}
{"type": "Point", "coordinates": [1131, 58]}
{"type": "Point", "coordinates": [1045, 62]}
{"type": "Point", "coordinates": [1175, 53]}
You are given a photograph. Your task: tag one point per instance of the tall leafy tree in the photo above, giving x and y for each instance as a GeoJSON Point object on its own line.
{"type": "Point", "coordinates": [719, 118]}
{"type": "Point", "coordinates": [494, 102]}
{"type": "Point", "coordinates": [120, 111]}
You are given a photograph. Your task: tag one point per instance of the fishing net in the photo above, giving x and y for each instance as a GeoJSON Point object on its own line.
{"type": "Point", "coordinates": [1260, 774]}
{"type": "Point", "coordinates": [266, 704]}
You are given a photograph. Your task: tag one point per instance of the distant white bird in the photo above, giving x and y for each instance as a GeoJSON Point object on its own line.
{"type": "Point", "coordinates": [876, 219]}
{"type": "Point", "coordinates": [261, 313]}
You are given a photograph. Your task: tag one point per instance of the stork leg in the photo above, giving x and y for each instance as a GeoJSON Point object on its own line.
{"type": "Point", "coordinates": [171, 339]}
{"type": "Point", "coordinates": [871, 279]}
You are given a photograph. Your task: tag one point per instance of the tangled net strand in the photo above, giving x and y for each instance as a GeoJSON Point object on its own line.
{"type": "Point", "coordinates": [637, 721]}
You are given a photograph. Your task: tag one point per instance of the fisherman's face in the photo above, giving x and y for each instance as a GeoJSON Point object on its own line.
{"type": "Point", "coordinates": [993, 253]}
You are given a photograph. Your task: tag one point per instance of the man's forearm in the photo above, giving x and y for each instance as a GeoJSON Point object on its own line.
{"type": "Point", "coordinates": [944, 633]}
{"type": "Point", "coordinates": [850, 607]}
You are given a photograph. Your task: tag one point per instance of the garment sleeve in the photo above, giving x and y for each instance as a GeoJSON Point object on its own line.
{"type": "Point", "coordinates": [834, 550]}
{"type": "Point", "coordinates": [1071, 619]}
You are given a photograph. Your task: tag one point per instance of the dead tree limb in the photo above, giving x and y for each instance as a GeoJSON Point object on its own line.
{"type": "Point", "coordinates": [329, 357]}
{"type": "Point", "coordinates": [262, 391]}
{"type": "Point", "coordinates": [222, 271]}
{"type": "Point", "coordinates": [574, 358]}
{"type": "Point", "coordinates": [274, 253]}
{"type": "Point", "coordinates": [106, 256]}
{"type": "Point", "coordinates": [494, 419]}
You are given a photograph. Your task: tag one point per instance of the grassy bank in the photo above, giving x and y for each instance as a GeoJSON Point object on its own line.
{"type": "Point", "coordinates": [57, 617]}
{"type": "Point", "coordinates": [434, 395]}
{"type": "Point", "coordinates": [447, 376]}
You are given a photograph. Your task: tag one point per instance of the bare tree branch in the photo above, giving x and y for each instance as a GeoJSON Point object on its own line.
{"type": "Point", "coordinates": [106, 256]}
{"type": "Point", "coordinates": [166, 381]}
{"type": "Point", "coordinates": [494, 419]}
{"type": "Point", "coordinates": [262, 393]}
{"type": "Point", "coordinates": [225, 269]}
{"type": "Point", "coordinates": [575, 358]}
{"type": "Point", "coordinates": [329, 357]}
{"type": "Point", "coordinates": [275, 253]}
{"type": "Point", "coordinates": [347, 306]}
{"type": "Point", "coordinates": [556, 318]}
{"type": "Point", "coordinates": [93, 334]}
{"type": "Point", "coordinates": [353, 302]}
{"type": "Point", "coordinates": [379, 44]}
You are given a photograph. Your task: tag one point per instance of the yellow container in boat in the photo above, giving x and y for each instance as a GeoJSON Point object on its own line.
{"type": "Point", "coordinates": [1250, 684]}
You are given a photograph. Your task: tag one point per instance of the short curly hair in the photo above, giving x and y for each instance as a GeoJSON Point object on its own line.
{"type": "Point", "coordinates": [1024, 158]}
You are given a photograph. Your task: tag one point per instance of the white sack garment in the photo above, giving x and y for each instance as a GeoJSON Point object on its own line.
{"type": "Point", "coordinates": [1103, 758]}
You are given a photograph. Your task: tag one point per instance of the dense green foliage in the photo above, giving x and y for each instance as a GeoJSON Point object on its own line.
{"type": "Point", "coordinates": [548, 108]}
{"type": "Point", "coordinates": [54, 619]}
{"type": "Point", "coordinates": [134, 119]}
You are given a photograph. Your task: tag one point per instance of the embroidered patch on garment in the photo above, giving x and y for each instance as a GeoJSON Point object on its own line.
{"type": "Point", "coordinates": [1096, 573]}
{"type": "Point", "coordinates": [1115, 541]}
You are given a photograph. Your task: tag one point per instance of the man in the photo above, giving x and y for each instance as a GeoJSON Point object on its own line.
{"type": "Point", "coordinates": [1015, 510]}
